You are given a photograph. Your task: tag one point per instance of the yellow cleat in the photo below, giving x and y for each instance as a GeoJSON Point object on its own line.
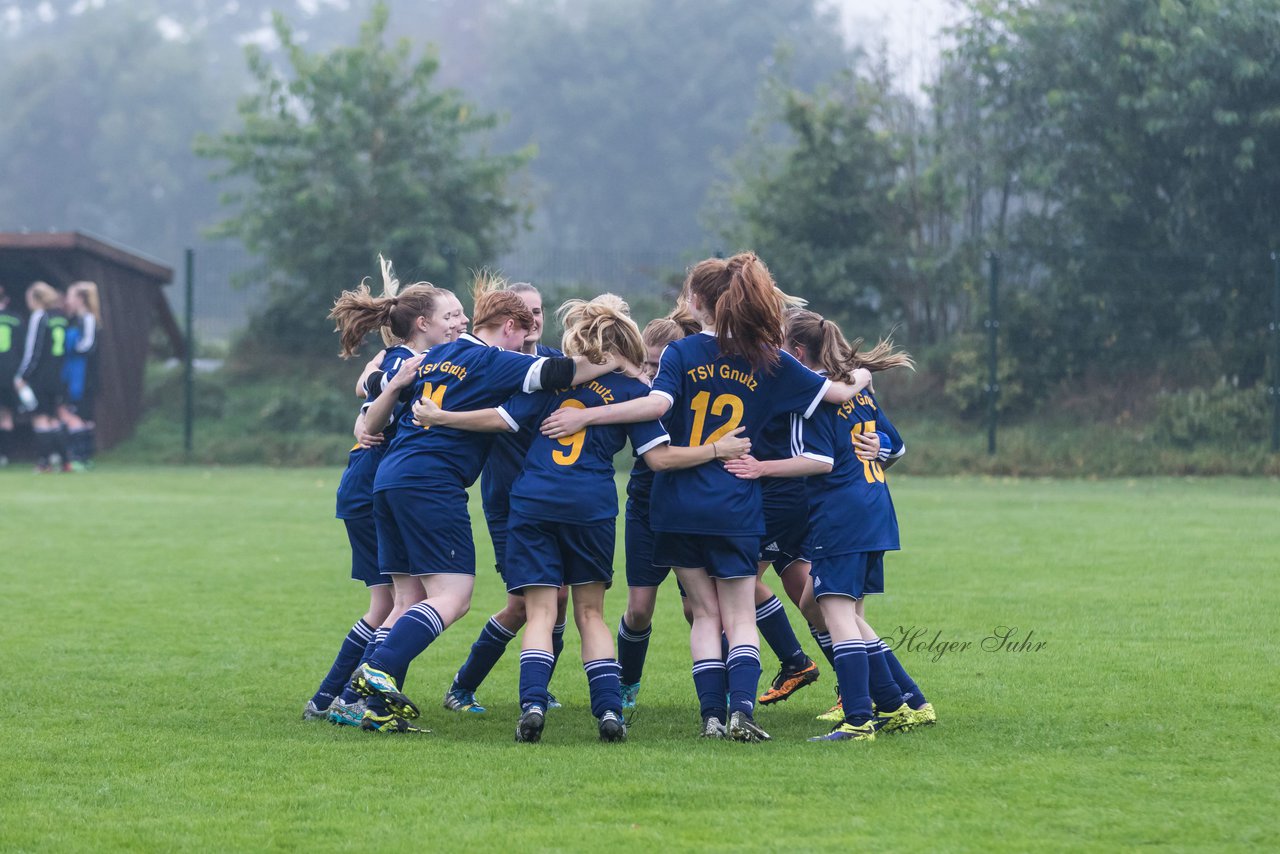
{"type": "Point", "coordinates": [850, 732]}
{"type": "Point", "coordinates": [900, 719]}
{"type": "Point", "coordinates": [833, 714]}
{"type": "Point", "coordinates": [925, 715]}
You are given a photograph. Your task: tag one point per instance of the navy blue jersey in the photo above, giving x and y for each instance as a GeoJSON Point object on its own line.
{"type": "Point", "coordinates": [639, 488]}
{"type": "Point", "coordinates": [10, 345]}
{"type": "Point", "coordinates": [505, 459]}
{"type": "Point", "coordinates": [778, 442]}
{"type": "Point", "coordinates": [355, 490]}
{"type": "Point", "coordinates": [850, 508]}
{"type": "Point", "coordinates": [711, 395]}
{"type": "Point", "coordinates": [459, 375]}
{"type": "Point", "coordinates": [571, 479]}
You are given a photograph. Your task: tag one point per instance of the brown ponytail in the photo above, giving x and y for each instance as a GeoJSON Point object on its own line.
{"type": "Point", "coordinates": [495, 304]}
{"type": "Point", "coordinates": [357, 313]}
{"type": "Point", "coordinates": [745, 305]}
{"type": "Point", "coordinates": [826, 347]}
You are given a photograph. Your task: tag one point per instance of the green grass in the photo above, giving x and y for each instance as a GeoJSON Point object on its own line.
{"type": "Point", "coordinates": [163, 627]}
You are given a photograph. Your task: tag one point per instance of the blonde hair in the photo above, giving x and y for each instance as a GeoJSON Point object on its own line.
{"type": "Point", "coordinates": [600, 327]}
{"type": "Point", "coordinates": [826, 347]}
{"type": "Point", "coordinates": [495, 304]}
{"type": "Point", "coordinates": [88, 293]}
{"type": "Point", "coordinates": [390, 287]}
{"type": "Point", "coordinates": [357, 313]}
{"type": "Point", "coordinates": [43, 294]}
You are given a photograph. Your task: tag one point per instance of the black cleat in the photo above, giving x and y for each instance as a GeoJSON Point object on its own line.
{"type": "Point", "coordinates": [612, 727]}
{"type": "Point", "coordinates": [529, 728]}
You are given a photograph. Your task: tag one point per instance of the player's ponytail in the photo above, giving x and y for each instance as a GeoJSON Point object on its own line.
{"type": "Point", "coordinates": [88, 294]}
{"type": "Point", "coordinates": [597, 328]}
{"type": "Point", "coordinates": [495, 304]}
{"type": "Point", "coordinates": [390, 287]}
{"type": "Point", "coordinates": [745, 305]}
{"type": "Point", "coordinates": [357, 313]}
{"type": "Point", "coordinates": [43, 294]}
{"type": "Point", "coordinates": [826, 348]}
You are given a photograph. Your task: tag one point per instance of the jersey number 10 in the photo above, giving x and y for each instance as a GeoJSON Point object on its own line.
{"type": "Point", "coordinates": [871, 469]}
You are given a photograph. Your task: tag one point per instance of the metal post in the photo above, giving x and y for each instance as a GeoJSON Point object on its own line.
{"type": "Point", "coordinates": [188, 368]}
{"type": "Point", "coordinates": [993, 325]}
{"type": "Point", "coordinates": [1274, 389]}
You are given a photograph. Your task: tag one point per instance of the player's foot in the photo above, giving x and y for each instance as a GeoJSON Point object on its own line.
{"type": "Point", "coordinates": [612, 728]}
{"type": "Point", "coordinates": [845, 731]}
{"type": "Point", "coordinates": [629, 695]}
{"type": "Point", "coordinates": [552, 702]}
{"type": "Point", "coordinates": [742, 727]}
{"type": "Point", "coordinates": [529, 727]}
{"type": "Point", "coordinates": [712, 728]}
{"type": "Point", "coordinates": [925, 715]}
{"type": "Point", "coordinates": [346, 714]}
{"type": "Point", "coordinates": [459, 700]}
{"type": "Point", "coordinates": [312, 712]}
{"type": "Point", "coordinates": [900, 719]}
{"type": "Point", "coordinates": [790, 680]}
{"type": "Point", "coordinates": [43, 468]}
{"type": "Point", "coordinates": [835, 714]}
{"type": "Point", "coordinates": [368, 682]}
{"type": "Point", "coordinates": [389, 723]}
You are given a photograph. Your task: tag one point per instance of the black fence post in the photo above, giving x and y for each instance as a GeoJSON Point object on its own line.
{"type": "Point", "coordinates": [188, 368]}
{"type": "Point", "coordinates": [993, 325]}
{"type": "Point", "coordinates": [1274, 389]}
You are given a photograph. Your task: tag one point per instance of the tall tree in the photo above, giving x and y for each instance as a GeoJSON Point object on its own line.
{"type": "Point", "coordinates": [350, 153]}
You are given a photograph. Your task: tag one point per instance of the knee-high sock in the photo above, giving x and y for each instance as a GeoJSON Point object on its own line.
{"type": "Point", "coordinates": [852, 674]}
{"type": "Point", "coordinates": [604, 684]}
{"type": "Point", "coordinates": [535, 675]}
{"type": "Point", "coordinates": [633, 648]}
{"type": "Point", "coordinates": [711, 682]}
{"type": "Point", "coordinates": [775, 628]}
{"type": "Point", "coordinates": [349, 654]}
{"type": "Point", "coordinates": [411, 634]}
{"type": "Point", "coordinates": [485, 653]}
{"type": "Point", "coordinates": [743, 666]}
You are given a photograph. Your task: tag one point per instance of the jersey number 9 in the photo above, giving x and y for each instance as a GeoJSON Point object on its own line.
{"type": "Point", "coordinates": [573, 441]}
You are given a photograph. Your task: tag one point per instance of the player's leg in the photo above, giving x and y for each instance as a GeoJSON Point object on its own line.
{"type": "Point", "coordinates": [923, 710]}
{"type": "Point", "coordinates": [795, 668]}
{"type": "Point", "coordinates": [737, 612]}
{"type": "Point", "coordinates": [636, 625]}
{"type": "Point", "coordinates": [856, 722]}
{"type": "Point", "coordinates": [598, 660]}
{"type": "Point", "coordinates": [536, 660]}
{"type": "Point", "coordinates": [6, 432]}
{"type": "Point", "coordinates": [705, 631]}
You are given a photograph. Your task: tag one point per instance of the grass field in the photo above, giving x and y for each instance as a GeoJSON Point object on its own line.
{"type": "Point", "coordinates": [163, 627]}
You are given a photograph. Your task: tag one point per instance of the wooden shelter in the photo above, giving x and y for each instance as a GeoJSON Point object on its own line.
{"type": "Point", "coordinates": [130, 288]}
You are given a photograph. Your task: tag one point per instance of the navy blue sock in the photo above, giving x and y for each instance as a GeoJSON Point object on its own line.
{"type": "Point", "coordinates": [353, 646]}
{"type": "Point", "coordinates": [45, 444]}
{"type": "Point", "coordinates": [535, 675]}
{"type": "Point", "coordinates": [485, 652]}
{"type": "Point", "coordinates": [349, 694]}
{"type": "Point", "coordinates": [824, 644]}
{"type": "Point", "coordinates": [633, 647]}
{"type": "Point", "coordinates": [776, 630]}
{"type": "Point", "coordinates": [605, 685]}
{"type": "Point", "coordinates": [712, 683]}
{"type": "Point", "coordinates": [724, 647]}
{"type": "Point", "coordinates": [884, 690]}
{"type": "Point", "coordinates": [852, 675]}
{"type": "Point", "coordinates": [557, 645]}
{"type": "Point", "coordinates": [6, 443]}
{"type": "Point", "coordinates": [411, 634]}
{"type": "Point", "coordinates": [910, 690]}
{"type": "Point", "coordinates": [743, 666]}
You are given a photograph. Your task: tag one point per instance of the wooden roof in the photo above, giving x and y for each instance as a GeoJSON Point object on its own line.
{"type": "Point", "coordinates": [76, 241]}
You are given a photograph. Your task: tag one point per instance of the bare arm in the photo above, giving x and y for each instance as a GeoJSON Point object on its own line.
{"type": "Point", "coordinates": [566, 422]}
{"type": "Point", "coordinates": [427, 414]}
{"type": "Point", "coordinates": [749, 468]}
{"type": "Point", "coordinates": [840, 392]}
{"type": "Point", "coordinates": [668, 458]}
{"type": "Point", "coordinates": [379, 412]}
{"type": "Point", "coordinates": [364, 438]}
{"type": "Point", "coordinates": [370, 367]}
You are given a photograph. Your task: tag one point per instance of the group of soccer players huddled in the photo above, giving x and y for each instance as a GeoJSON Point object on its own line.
{"type": "Point", "coordinates": [48, 371]}
{"type": "Point", "coordinates": [757, 440]}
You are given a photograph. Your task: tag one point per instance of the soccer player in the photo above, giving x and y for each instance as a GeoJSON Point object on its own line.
{"type": "Point", "coordinates": [643, 578]}
{"type": "Point", "coordinates": [80, 372]}
{"type": "Point", "coordinates": [420, 499]}
{"type": "Point", "coordinates": [564, 505]}
{"type": "Point", "coordinates": [421, 316]}
{"type": "Point", "coordinates": [707, 523]}
{"type": "Point", "coordinates": [500, 472]}
{"type": "Point", "coordinates": [39, 374]}
{"type": "Point", "coordinates": [10, 348]}
{"type": "Point", "coordinates": [852, 525]}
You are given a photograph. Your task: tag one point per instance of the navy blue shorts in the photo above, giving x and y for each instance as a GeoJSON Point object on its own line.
{"type": "Point", "coordinates": [855, 575]}
{"type": "Point", "coordinates": [550, 554]}
{"type": "Point", "coordinates": [720, 556]}
{"type": "Point", "coordinates": [424, 531]}
{"type": "Point", "coordinates": [785, 530]}
{"type": "Point", "coordinates": [363, 534]}
{"type": "Point", "coordinates": [498, 535]}
{"type": "Point", "coordinates": [638, 541]}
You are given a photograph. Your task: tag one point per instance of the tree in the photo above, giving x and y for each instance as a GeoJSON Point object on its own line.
{"type": "Point", "coordinates": [354, 152]}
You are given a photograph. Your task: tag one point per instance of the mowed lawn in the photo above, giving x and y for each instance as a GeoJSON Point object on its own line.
{"type": "Point", "coordinates": [162, 629]}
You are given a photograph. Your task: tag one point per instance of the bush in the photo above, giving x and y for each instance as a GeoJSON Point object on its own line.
{"type": "Point", "coordinates": [1223, 414]}
{"type": "Point", "coordinates": [966, 375]}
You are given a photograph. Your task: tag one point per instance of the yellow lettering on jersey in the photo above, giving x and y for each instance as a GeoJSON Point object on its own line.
{"type": "Point", "coordinates": [606, 393]}
{"type": "Point", "coordinates": [701, 373]}
{"type": "Point", "coordinates": [446, 367]}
